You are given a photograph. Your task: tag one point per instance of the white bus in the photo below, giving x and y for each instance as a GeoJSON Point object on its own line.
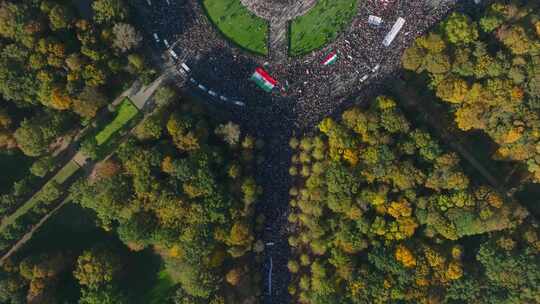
{"type": "Point", "coordinates": [185, 67]}
{"type": "Point", "coordinates": [393, 32]}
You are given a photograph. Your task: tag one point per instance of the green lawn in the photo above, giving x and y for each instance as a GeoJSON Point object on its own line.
{"type": "Point", "coordinates": [321, 25]}
{"type": "Point", "coordinates": [159, 292]}
{"type": "Point", "coordinates": [125, 112]}
{"type": "Point", "coordinates": [238, 24]}
{"type": "Point", "coordinates": [60, 177]}
{"type": "Point", "coordinates": [66, 172]}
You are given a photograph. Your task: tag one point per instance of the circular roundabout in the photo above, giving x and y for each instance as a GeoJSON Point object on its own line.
{"type": "Point", "coordinates": [216, 45]}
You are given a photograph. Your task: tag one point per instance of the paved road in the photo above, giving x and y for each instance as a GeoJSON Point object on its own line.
{"type": "Point", "coordinates": [308, 91]}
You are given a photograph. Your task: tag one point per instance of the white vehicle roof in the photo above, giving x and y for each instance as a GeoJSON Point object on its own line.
{"type": "Point", "coordinates": [364, 78]}
{"type": "Point", "coordinates": [200, 86]}
{"type": "Point", "coordinates": [212, 93]}
{"type": "Point", "coordinates": [173, 54]}
{"type": "Point", "coordinates": [156, 37]}
{"type": "Point", "coordinates": [185, 67]}
{"type": "Point", "coordinates": [193, 80]}
{"type": "Point", "coordinates": [239, 103]}
{"type": "Point", "coordinates": [223, 98]}
{"type": "Point", "coordinates": [375, 20]}
{"type": "Point", "coordinates": [149, 2]}
{"type": "Point", "coordinates": [376, 68]}
{"type": "Point", "coordinates": [166, 42]}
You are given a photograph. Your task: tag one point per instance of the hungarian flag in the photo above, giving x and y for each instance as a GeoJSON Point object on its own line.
{"type": "Point", "coordinates": [263, 80]}
{"type": "Point", "coordinates": [330, 59]}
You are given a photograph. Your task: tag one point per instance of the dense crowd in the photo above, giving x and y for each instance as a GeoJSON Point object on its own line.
{"type": "Point", "coordinates": [307, 90]}
{"type": "Point", "coordinates": [287, 9]}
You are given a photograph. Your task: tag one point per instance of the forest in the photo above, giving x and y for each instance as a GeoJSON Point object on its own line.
{"type": "Point", "coordinates": [182, 188]}
{"type": "Point", "coordinates": [60, 69]}
{"type": "Point", "coordinates": [383, 205]}
{"type": "Point", "coordinates": [382, 213]}
{"type": "Point", "coordinates": [488, 70]}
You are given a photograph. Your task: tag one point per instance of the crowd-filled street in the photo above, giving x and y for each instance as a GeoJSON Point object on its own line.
{"type": "Point", "coordinates": [307, 91]}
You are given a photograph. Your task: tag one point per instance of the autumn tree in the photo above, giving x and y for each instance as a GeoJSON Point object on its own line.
{"type": "Point", "coordinates": [97, 267]}
{"type": "Point", "coordinates": [126, 37]}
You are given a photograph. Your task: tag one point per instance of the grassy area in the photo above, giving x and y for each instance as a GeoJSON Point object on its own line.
{"type": "Point", "coordinates": [14, 166]}
{"type": "Point", "coordinates": [125, 112]}
{"type": "Point", "coordinates": [320, 25]}
{"type": "Point", "coordinates": [66, 172]}
{"type": "Point", "coordinates": [61, 176]}
{"type": "Point", "coordinates": [159, 292]}
{"type": "Point", "coordinates": [238, 24]}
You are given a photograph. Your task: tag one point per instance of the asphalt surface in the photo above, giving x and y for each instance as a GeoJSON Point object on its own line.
{"type": "Point", "coordinates": [307, 90]}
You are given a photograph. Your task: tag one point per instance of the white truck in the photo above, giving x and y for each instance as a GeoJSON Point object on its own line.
{"type": "Point", "coordinates": [375, 20]}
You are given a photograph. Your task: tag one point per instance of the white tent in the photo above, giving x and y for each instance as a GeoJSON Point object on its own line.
{"type": "Point", "coordinates": [394, 31]}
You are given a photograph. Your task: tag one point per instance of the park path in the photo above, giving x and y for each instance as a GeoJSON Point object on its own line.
{"type": "Point", "coordinates": [279, 15]}
{"type": "Point", "coordinates": [141, 97]}
{"type": "Point", "coordinates": [278, 45]}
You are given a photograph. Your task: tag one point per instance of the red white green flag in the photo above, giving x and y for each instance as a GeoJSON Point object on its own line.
{"type": "Point", "coordinates": [330, 59]}
{"type": "Point", "coordinates": [263, 80]}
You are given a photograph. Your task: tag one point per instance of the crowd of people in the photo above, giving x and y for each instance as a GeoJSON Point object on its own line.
{"type": "Point", "coordinates": [307, 90]}
{"type": "Point", "coordinates": [287, 9]}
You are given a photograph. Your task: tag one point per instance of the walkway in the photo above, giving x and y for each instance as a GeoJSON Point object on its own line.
{"type": "Point", "coordinates": [140, 95]}
{"type": "Point", "coordinates": [279, 13]}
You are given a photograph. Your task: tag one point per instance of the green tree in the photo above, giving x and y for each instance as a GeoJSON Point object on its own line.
{"type": "Point", "coordinates": [164, 95]}
{"type": "Point", "coordinates": [104, 295]}
{"type": "Point", "coordinates": [43, 166]}
{"type": "Point", "coordinates": [60, 17]}
{"type": "Point", "coordinates": [109, 10]}
{"type": "Point", "coordinates": [97, 267]}
{"type": "Point", "coordinates": [460, 29]}
{"type": "Point", "coordinates": [89, 101]}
